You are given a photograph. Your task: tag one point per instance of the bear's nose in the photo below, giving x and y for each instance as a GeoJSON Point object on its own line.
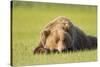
{"type": "Point", "coordinates": [61, 49]}
{"type": "Point", "coordinates": [61, 46]}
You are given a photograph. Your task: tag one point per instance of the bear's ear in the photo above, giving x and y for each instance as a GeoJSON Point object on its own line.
{"type": "Point", "coordinates": [44, 36]}
{"type": "Point", "coordinates": [46, 32]}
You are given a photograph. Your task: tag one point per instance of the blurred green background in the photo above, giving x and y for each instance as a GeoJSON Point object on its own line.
{"type": "Point", "coordinates": [29, 18]}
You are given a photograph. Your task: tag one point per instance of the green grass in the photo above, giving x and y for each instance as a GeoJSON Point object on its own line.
{"type": "Point", "coordinates": [28, 21]}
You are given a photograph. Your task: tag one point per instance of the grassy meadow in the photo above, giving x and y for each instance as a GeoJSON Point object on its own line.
{"type": "Point", "coordinates": [29, 18]}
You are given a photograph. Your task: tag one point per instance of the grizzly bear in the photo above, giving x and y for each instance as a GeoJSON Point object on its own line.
{"type": "Point", "coordinates": [61, 35]}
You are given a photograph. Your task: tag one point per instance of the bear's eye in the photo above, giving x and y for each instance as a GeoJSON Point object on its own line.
{"type": "Point", "coordinates": [57, 40]}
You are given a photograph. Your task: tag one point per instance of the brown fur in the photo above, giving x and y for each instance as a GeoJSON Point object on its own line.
{"type": "Point", "coordinates": [60, 34]}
